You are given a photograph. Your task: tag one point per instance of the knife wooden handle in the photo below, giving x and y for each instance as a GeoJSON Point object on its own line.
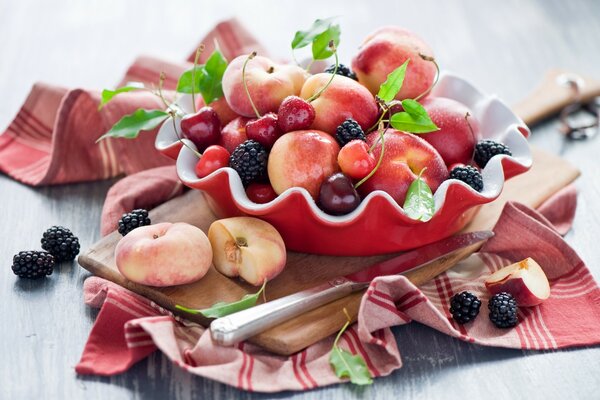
{"type": "Point", "coordinates": [296, 338]}
{"type": "Point", "coordinates": [552, 95]}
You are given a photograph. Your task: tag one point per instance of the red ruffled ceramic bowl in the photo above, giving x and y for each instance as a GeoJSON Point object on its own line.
{"type": "Point", "coordinates": [379, 225]}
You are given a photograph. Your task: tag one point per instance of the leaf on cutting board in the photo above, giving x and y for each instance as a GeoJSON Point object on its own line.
{"type": "Point", "coordinates": [413, 119]}
{"type": "Point", "coordinates": [130, 126]}
{"type": "Point", "coordinates": [346, 364]}
{"type": "Point", "coordinates": [107, 94]}
{"type": "Point", "coordinates": [419, 203]}
{"type": "Point", "coordinates": [392, 85]}
{"type": "Point", "coordinates": [304, 38]}
{"type": "Point", "coordinates": [222, 308]}
{"type": "Point", "coordinates": [205, 79]}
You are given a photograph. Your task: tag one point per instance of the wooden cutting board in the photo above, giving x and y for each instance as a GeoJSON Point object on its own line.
{"type": "Point", "coordinates": [549, 174]}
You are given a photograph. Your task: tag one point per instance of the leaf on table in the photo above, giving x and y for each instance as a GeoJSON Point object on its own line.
{"type": "Point", "coordinates": [107, 94]}
{"type": "Point", "coordinates": [392, 85]}
{"type": "Point", "coordinates": [222, 308]}
{"type": "Point", "coordinates": [413, 119]}
{"type": "Point", "coordinates": [347, 365]}
{"type": "Point", "coordinates": [304, 38]}
{"type": "Point", "coordinates": [419, 203]}
{"type": "Point", "coordinates": [130, 126]}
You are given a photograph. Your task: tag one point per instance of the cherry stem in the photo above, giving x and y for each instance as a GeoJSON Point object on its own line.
{"type": "Point", "coordinates": [382, 139]}
{"type": "Point", "coordinates": [250, 57]}
{"type": "Point", "coordinates": [337, 62]}
{"type": "Point", "coordinates": [161, 81]}
{"type": "Point", "coordinates": [435, 81]}
{"type": "Point", "coordinates": [196, 58]}
{"type": "Point", "coordinates": [384, 109]}
{"type": "Point", "coordinates": [172, 113]}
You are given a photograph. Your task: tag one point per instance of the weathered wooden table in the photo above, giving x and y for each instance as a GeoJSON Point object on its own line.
{"type": "Point", "coordinates": [504, 47]}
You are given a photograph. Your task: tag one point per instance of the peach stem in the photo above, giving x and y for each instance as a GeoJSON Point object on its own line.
{"type": "Point", "coordinates": [196, 58]}
{"type": "Point", "coordinates": [250, 57]}
{"type": "Point", "coordinates": [437, 76]}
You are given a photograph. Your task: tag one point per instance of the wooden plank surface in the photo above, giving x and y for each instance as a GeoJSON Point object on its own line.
{"type": "Point", "coordinates": [504, 47]}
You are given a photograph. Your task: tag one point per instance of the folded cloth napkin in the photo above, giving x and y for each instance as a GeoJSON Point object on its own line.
{"type": "Point", "coordinates": [129, 327]}
{"type": "Point", "coordinates": [52, 138]}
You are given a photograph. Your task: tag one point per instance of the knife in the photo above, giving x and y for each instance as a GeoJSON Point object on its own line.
{"type": "Point", "coordinates": [244, 324]}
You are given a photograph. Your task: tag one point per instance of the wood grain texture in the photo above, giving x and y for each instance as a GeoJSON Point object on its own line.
{"type": "Point", "coordinates": [303, 271]}
{"type": "Point", "coordinates": [504, 47]}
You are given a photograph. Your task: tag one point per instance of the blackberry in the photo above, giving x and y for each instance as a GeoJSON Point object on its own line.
{"type": "Point", "coordinates": [249, 159]}
{"type": "Point", "coordinates": [342, 70]}
{"type": "Point", "coordinates": [464, 307]}
{"type": "Point", "coordinates": [486, 149]}
{"type": "Point", "coordinates": [349, 130]}
{"type": "Point", "coordinates": [33, 264]}
{"type": "Point", "coordinates": [61, 243]}
{"type": "Point", "coordinates": [132, 220]}
{"type": "Point", "coordinates": [503, 310]}
{"type": "Point", "coordinates": [469, 175]}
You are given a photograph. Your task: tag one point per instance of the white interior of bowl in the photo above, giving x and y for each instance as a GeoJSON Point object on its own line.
{"type": "Point", "coordinates": [497, 122]}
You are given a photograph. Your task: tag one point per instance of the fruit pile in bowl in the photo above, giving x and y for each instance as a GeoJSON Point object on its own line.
{"type": "Point", "coordinates": [386, 155]}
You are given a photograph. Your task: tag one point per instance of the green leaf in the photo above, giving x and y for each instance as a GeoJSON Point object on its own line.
{"type": "Point", "coordinates": [130, 126]}
{"type": "Point", "coordinates": [304, 38]}
{"type": "Point", "coordinates": [413, 119]}
{"type": "Point", "coordinates": [392, 85]}
{"type": "Point", "coordinates": [107, 94]}
{"type": "Point", "coordinates": [222, 309]}
{"type": "Point", "coordinates": [347, 365]}
{"type": "Point", "coordinates": [419, 202]}
{"type": "Point", "coordinates": [205, 79]}
{"type": "Point", "coordinates": [320, 44]}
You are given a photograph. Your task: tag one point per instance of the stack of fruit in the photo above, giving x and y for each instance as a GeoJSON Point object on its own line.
{"type": "Point", "coordinates": [340, 134]}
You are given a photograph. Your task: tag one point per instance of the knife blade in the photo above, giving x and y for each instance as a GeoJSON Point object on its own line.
{"type": "Point", "coordinates": [445, 253]}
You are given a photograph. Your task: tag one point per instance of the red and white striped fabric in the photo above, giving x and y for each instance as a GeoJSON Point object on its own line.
{"type": "Point", "coordinates": [130, 327]}
{"type": "Point", "coordinates": [52, 138]}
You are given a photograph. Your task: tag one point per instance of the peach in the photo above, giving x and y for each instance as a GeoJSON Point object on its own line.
{"type": "Point", "coordinates": [405, 156]}
{"type": "Point", "coordinates": [303, 159]}
{"type": "Point", "coordinates": [164, 254]}
{"type": "Point", "coordinates": [385, 50]}
{"type": "Point", "coordinates": [343, 98]}
{"type": "Point", "coordinates": [234, 133]}
{"type": "Point", "coordinates": [458, 134]}
{"type": "Point", "coordinates": [268, 83]}
{"type": "Point", "coordinates": [247, 247]}
{"type": "Point", "coordinates": [525, 281]}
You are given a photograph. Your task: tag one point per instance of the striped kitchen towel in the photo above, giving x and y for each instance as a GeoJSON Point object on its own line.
{"type": "Point", "coordinates": [129, 327]}
{"type": "Point", "coordinates": [52, 138]}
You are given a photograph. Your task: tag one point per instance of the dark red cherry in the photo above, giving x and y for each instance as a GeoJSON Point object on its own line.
{"type": "Point", "coordinates": [295, 114]}
{"type": "Point", "coordinates": [261, 193]}
{"type": "Point", "coordinates": [264, 130]}
{"type": "Point", "coordinates": [203, 128]}
{"type": "Point", "coordinates": [337, 195]}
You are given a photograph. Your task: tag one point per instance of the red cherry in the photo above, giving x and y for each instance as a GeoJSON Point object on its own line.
{"type": "Point", "coordinates": [203, 127]}
{"type": "Point", "coordinates": [234, 133]}
{"type": "Point", "coordinates": [337, 195]}
{"type": "Point", "coordinates": [354, 159]}
{"type": "Point", "coordinates": [261, 193]}
{"type": "Point", "coordinates": [264, 130]}
{"type": "Point", "coordinates": [213, 158]}
{"type": "Point", "coordinates": [295, 114]}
